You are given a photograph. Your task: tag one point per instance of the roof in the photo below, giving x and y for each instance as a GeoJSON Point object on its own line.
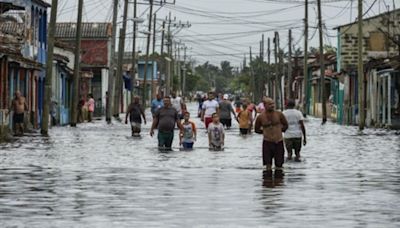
{"type": "Point", "coordinates": [14, 53]}
{"type": "Point", "coordinates": [63, 45]}
{"type": "Point", "coordinates": [6, 6]}
{"type": "Point", "coordinates": [67, 30]}
{"type": "Point", "coordinates": [369, 18]}
{"type": "Point", "coordinates": [42, 3]}
{"type": "Point", "coordinates": [383, 63]}
{"type": "Point", "coordinates": [23, 3]}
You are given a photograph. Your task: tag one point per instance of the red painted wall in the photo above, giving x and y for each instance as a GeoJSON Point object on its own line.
{"type": "Point", "coordinates": [94, 52]}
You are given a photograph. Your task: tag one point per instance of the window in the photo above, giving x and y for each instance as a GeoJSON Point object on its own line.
{"type": "Point", "coordinates": [377, 41]}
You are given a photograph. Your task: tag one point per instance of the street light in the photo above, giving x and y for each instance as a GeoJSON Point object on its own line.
{"type": "Point", "coordinates": [145, 32]}
{"type": "Point", "coordinates": [138, 20]}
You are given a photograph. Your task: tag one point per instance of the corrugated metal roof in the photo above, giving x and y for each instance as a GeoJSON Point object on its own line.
{"type": "Point", "coordinates": [89, 30]}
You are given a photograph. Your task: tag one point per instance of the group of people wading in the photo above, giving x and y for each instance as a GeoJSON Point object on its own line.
{"type": "Point", "coordinates": [279, 129]}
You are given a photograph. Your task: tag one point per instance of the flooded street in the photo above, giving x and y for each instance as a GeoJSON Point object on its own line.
{"type": "Point", "coordinates": [98, 176]}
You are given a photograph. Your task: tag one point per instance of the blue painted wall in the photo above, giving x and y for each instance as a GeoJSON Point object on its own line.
{"type": "Point", "coordinates": [150, 68]}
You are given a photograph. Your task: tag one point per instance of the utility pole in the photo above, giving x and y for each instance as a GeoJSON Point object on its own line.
{"type": "Point", "coordinates": [162, 54]}
{"type": "Point", "coordinates": [276, 86]}
{"type": "Point", "coordinates": [75, 86]}
{"type": "Point", "coordinates": [259, 79]}
{"type": "Point", "coordinates": [184, 72]}
{"type": "Point", "coordinates": [133, 68]}
{"type": "Point", "coordinates": [154, 51]}
{"type": "Point", "coordinates": [361, 108]}
{"type": "Point", "coordinates": [49, 69]}
{"type": "Point", "coordinates": [111, 72]}
{"type": "Point", "coordinates": [121, 50]}
{"type": "Point", "coordinates": [304, 98]}
{"type": "Point", "coordinates": [262, 47]}
{"type": "Point", "coordinates": [252, 77]}
{"type": "Point", "coordinates": [179, 68]}
{"type": "Point", "coordinates": [322, 63]}
{"type": "Point", "coordinates": [163, 37]}
{"type": "Point", "coordinates": [147, 55]}
{"type": "Point", "coordinates": [289, 84]}
{"type": "Point", "coordinates": [269, 79]}
{"type": "Point", "coordinates": [174, 64]}
{"type": "Point", "coordinates": [281, 78]}
{"type": "Point", "coordinates": [168, 63]}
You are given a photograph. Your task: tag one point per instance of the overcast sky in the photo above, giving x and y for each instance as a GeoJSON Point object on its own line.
{"type": "Point", "coordinates": [225, 29]}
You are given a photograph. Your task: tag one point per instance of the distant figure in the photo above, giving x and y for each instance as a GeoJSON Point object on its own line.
{"type": "Point", "coordinates": [238, 104]}
{"type": "Point", "coordinates": [200, 101]}
{"type": "Point", "coordinates": [225, 110]}
{"type": "Point", "coordinates": [210, 106]}
{"type": "Point", "coordinates": [295, 131]}
{"type": "Point", "coordinates": [81, 104]}
{"type": "Point", "coordinates": [216, 135]}
{"type": "Point", "coordinates": [177, 103]}
{"type": "Point", "coordinates": [261, 107]}
{"type": "Point", "coordinates": [165, 120]}
{"type": "Point", "coordinates": [135, 113]}
{"type": "Point", "coordinates": [189, 134]}
{"type": "Point", "coordinates": [245, 120]}
{"type": "Point", "coordinates": [90, 105]}
{"type": "Point", "coordinates": [18, 106]}
{"type": "Point", "coordinates": [107, 99]}
{"type": "Point", "coordinates": [156, 104]}
{"type": "Point", "coordinates": [53, 112]}
{"type": "Point", "coordinates": [251, 107]}
{"type": "Point", "coordinates": [271, 124]}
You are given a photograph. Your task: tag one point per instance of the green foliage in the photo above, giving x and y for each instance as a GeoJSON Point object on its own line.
{"type": "Point", "coordinates": [328, 49]}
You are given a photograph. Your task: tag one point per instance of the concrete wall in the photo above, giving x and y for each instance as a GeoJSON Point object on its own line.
{"type": "Point", "coordinates": [375, 40]}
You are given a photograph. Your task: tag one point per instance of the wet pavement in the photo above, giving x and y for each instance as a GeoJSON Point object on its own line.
{"type": "Point", "coordinates": [98, 176]}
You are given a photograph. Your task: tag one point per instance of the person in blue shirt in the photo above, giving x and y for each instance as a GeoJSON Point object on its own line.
{"type": "Point", "coordinates": [156, 104]}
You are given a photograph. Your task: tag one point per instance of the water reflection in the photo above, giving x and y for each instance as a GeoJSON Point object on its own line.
{"type": "Point", "coordinates": [273, 179]}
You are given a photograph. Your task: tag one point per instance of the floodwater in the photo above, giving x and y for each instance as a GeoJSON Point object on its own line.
{"type": "Point", "coordinates": [98, 176]}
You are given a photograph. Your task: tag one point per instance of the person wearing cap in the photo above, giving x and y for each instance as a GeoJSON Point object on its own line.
{"type": "Point", "coordinates": [295, 135]}
{"type": "Point", "coordinates": [225, 110]}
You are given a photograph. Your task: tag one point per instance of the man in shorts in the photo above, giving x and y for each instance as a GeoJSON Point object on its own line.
{"type": "Point", "coordinates": [295, 131]}
{"type": "Point", "coordinates": [271, 124]}
{"type": "Point", "coordinates": [210, 106]}
{"type": "Point", "coordinates": [18, 106]}
{"type": "Point", "coordinates": [165, 120]}
{"type": "Point", "coordinates": [225, 110]}
{"type": "Point", "coordinates": [135, 113]}
{"type": "Point", "coordinates": [245, 120]}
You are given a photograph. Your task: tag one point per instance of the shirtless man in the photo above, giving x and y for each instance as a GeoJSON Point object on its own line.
{"type": "Point", "coordinates": [271, 124]}
{"type": "Point", "coordinates": [18, 106]}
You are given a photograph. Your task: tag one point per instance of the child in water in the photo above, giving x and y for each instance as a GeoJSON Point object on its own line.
{"type": "Point", "coordinates": [188, 136]}
{"type": "Point", "coordinates": [245, 120]}
{"type": "Point", "coordinates": [216, 135]}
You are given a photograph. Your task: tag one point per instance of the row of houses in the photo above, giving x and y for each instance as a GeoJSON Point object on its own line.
{"type": "Point", "coordinates": [381, 57]}
{"type": "Point", "coordinates": [23, 55]}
